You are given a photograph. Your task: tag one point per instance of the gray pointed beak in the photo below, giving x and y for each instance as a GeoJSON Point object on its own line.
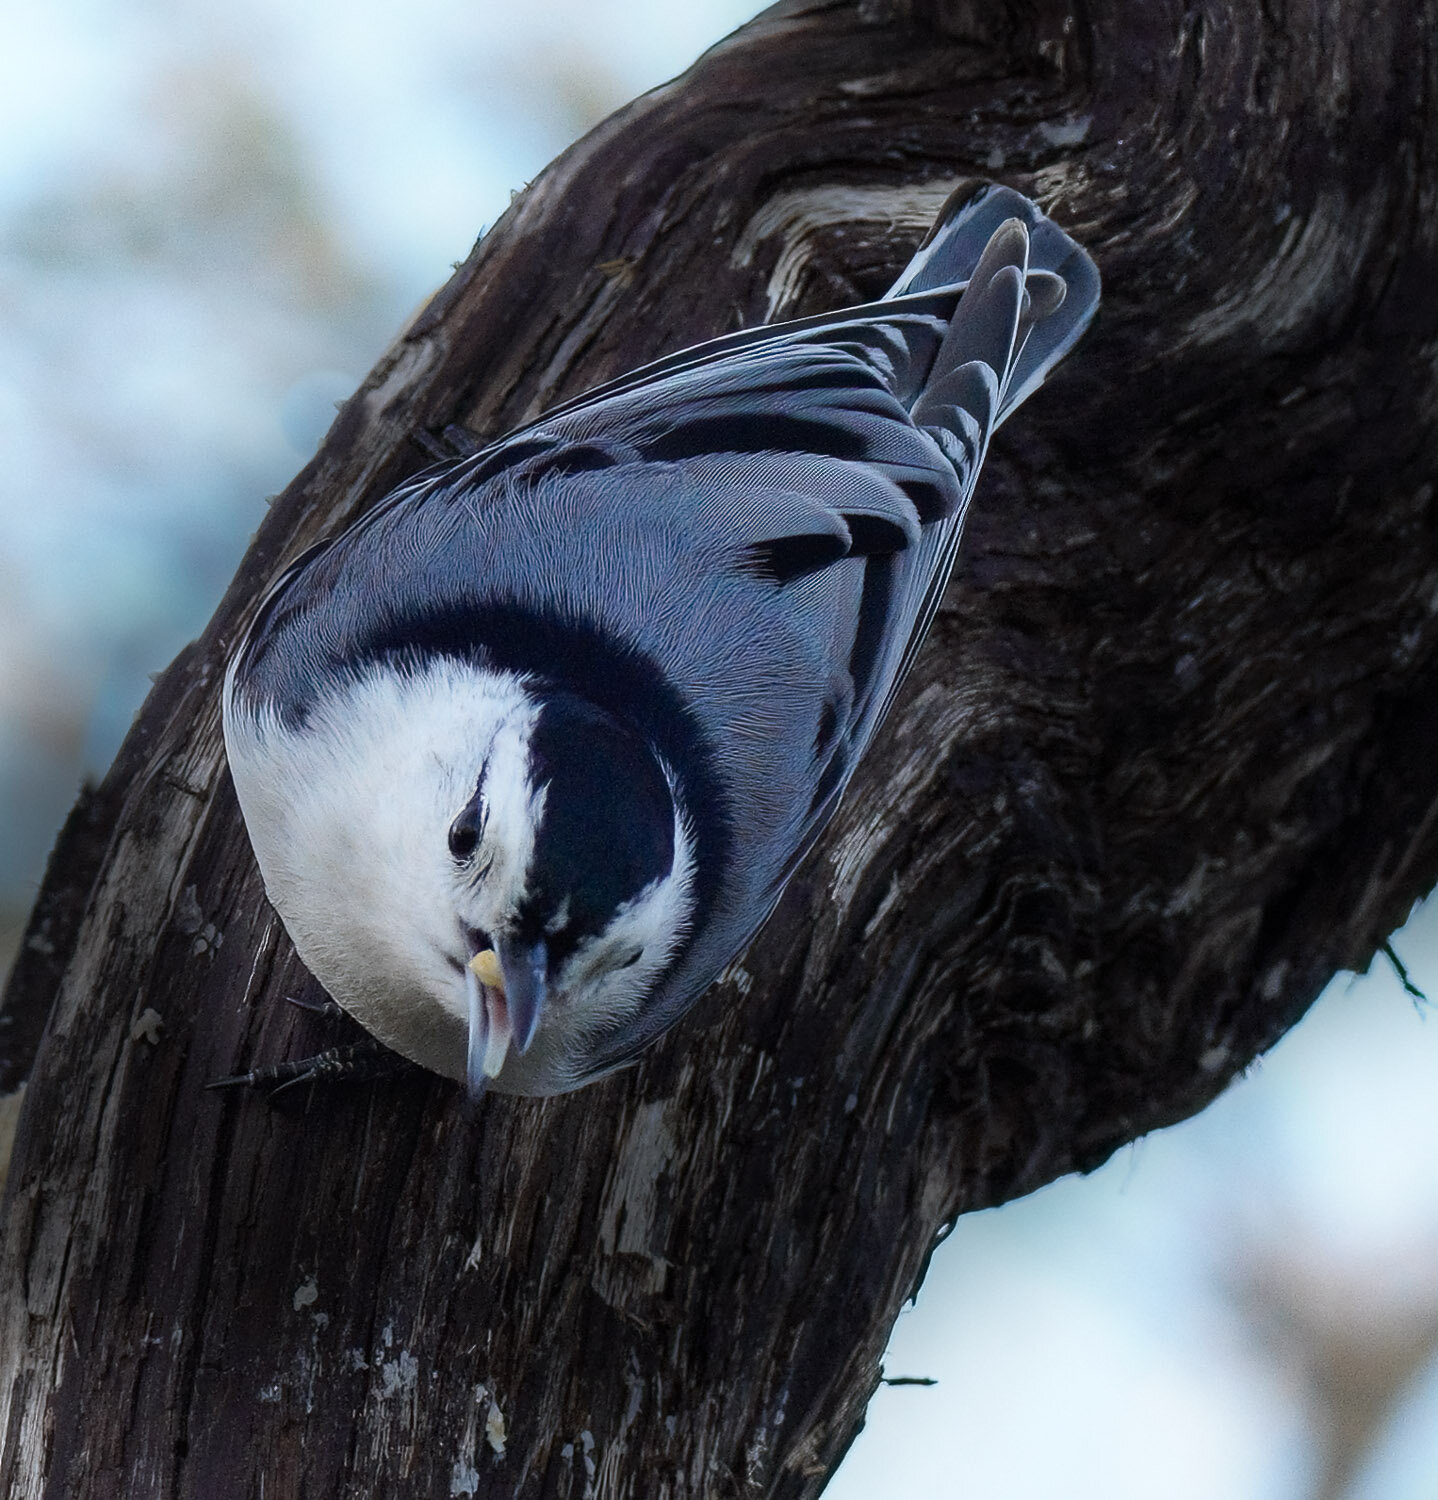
{"type": "Point", "coordinates": [506, 987]}
{"type": "Point", "coordinates": [526, 986]}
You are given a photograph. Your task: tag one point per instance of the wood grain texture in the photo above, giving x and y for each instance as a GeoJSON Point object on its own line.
{"type": "Point", "coordinates": [1166, 765]}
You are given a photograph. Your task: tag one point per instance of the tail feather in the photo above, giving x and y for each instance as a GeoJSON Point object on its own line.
{"type": "Point", "coordinates": [971, 239]}
{"type": "Point", "coordinates": [1028, 293]}
{"type": "Point", "coordinates": [1056, 334]}
{"type": "Point", "coordinates": [985, 328]}
{"type": "Point", "coordinates": [901, 335]}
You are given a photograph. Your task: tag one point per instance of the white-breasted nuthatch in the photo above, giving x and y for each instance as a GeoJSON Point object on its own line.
{"type": "Point", "coordinates": [528, 753]}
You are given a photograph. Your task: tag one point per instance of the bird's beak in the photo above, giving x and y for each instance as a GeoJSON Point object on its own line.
{"type": "Point", "coordinates": [506, 986]}
{"type": "Point", "coordinates": [526, 986]}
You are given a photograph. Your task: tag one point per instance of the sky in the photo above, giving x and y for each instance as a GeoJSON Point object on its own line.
{"type": "Point", "coordinates": [212, 219]}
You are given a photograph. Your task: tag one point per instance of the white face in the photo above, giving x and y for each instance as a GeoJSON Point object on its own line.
{"type": "Point", "coordinates": [350, 820]}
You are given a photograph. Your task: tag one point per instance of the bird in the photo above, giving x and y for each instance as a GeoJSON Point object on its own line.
{"type": "Point", "coordinates": [527, 753]}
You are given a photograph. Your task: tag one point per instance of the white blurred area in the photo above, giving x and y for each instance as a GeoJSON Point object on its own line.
{"type": "Point", "coordinates": [1242, 1307]}
{"type": "Point", "coordinates": [212, 219]}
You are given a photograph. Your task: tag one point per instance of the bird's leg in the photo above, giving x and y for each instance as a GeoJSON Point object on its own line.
{"type": "Point", "coordinates": [326, 1009]}
{"type": "Point", "coordinates": [359, 1062]}
{"type": "Point", "coordinates": [362, 1061]}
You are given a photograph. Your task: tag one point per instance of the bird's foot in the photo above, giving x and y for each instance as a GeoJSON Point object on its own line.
{"type": "Point", "coordinates": [360, 1062]}
{"type": "Point", "coordinates": [326, 1009]}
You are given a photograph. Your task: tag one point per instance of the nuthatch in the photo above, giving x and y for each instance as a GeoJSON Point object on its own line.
{"type": "Point", "coordinates": [529, 752]}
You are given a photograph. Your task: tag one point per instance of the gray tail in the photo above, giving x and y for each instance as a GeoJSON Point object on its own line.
{"type": "Point", "coordinates": [1029, 293]}
{"type": "Point", "coordinates": [994, 298]}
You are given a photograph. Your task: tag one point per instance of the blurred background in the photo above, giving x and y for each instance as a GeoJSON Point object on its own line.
{"type": "Point", "coordinates": [212, 219]}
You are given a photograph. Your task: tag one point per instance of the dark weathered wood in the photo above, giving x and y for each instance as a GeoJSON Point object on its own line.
{"type": "Point", "coordinates": [1167, 764]}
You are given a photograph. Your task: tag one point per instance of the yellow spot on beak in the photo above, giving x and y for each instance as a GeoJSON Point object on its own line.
{"type": "Point", "coordinates": [486, 969]}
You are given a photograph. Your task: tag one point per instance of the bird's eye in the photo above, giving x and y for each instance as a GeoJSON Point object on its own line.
{"type": "Point", "coordinates": [463, 836]}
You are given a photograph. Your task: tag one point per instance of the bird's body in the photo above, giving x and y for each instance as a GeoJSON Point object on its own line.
{"type": "Point", "coordinates": [528, 754]}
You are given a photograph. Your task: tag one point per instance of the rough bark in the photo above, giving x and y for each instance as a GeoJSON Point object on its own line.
{"type": "Point", "coordinates": [1165, 766]}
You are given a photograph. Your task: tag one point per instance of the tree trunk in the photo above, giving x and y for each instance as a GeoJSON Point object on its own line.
{"type": "Point", "coordinates": [1167, 763]}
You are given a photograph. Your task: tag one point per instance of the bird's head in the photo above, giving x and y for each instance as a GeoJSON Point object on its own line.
{"type": "Point", "coordinates": [489, 874]}
{"type": "Point", "coordinates": [571, 871]}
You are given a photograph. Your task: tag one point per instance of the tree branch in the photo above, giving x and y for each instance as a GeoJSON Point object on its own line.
{"type": "Point", "coordinates": [1165, 766]}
